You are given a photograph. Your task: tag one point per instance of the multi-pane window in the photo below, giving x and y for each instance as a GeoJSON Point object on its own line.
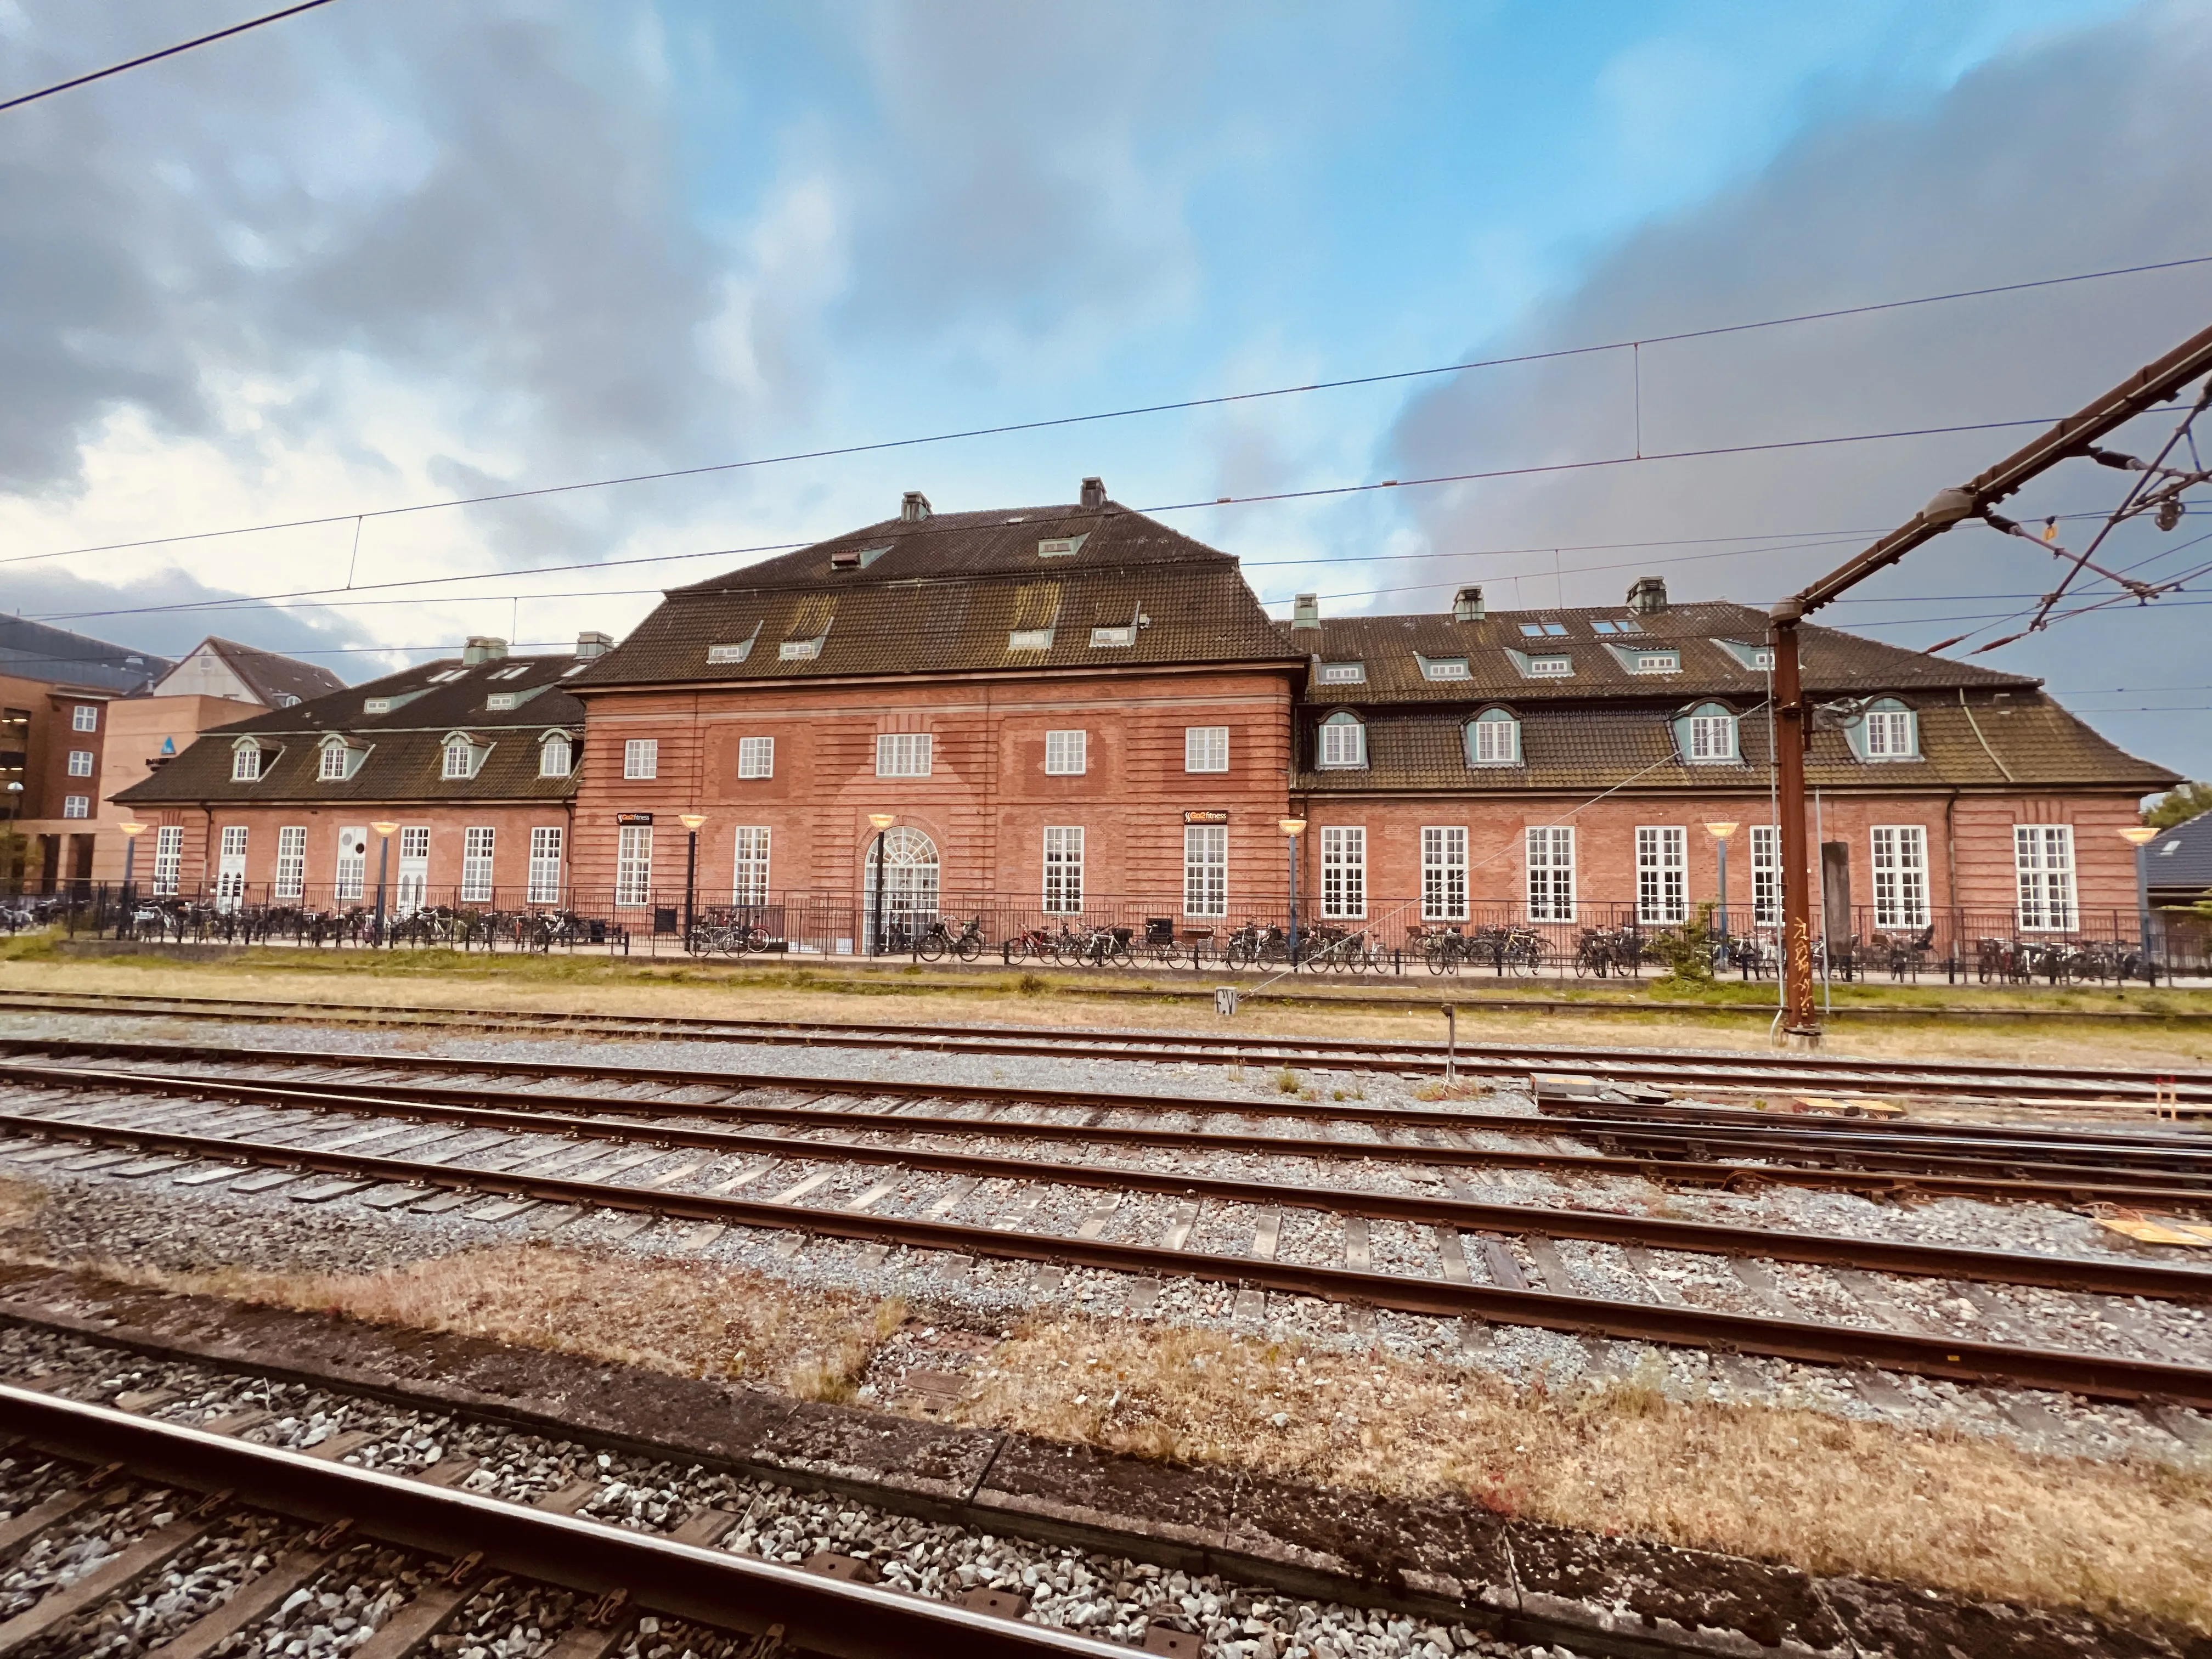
{"type": "Point", "coordinates": [2043, 859]}
{"type": "Point", "coordinates": [230, 865]}
{"type": "Point", "coordinates": [76, 806]}
{"type": "Point", "coordinates": [414, 887]}
{"type": "Point", "coordinates": [353, 863]}
{"type": "Point", "coordinates": [80, 762]}
{"type": "Point", "coordinates": [1551, 851]}
{"type": "Point", "coordinates": [1063, 868]}
{"type": "Point", "coordinates": [333, 765]}
{"type": "Point", "coordinates": [1766, 876]}
{"type": "Point", "coordinates": [1206, 865]}
{"type": "Point", "coordinates": [751, 883]}
{"type": "Point", "coordinates": [461, 760]}
{"type": "Point", "coordinates": [245, 764]}
{"type": "Point", "coordinates": [1713, 737]}
{"type": "Point", "coordinates": [556, 757]}
{"type": "Point", "coordinates": [1493, 739]}
{"type": "Point", "coordinates": [291, 861]}
{"type": "Point", "coordinates": [756, 757]}
{"type": "Point", "coordinates": [1343, 741]}
{"type": "Point", "coordinates": [641, 757]}
{"type": "Point", "coordinates": [168, 858]}
{"type": "Point", "coordinates": [1205, 749]}
{"type": "Point", "coordinates": [1890, 734]}
{"type": "Point", "coordinates": [85, 717]}
{"type": "Point", "coordinates": [1662, 894]}
{"type": "Point", "coordinates": [903, 755]}
{"type": "Point", "coordinates": [476, 864]}
{"type": "Point", "coordinates": [1067, 754]}
{"type": "Point", "coordinates": [545, 864]}
{"type": "Point", "coordinates": [1344, 871]}
{"type": "Point", "coordinates": [634, 865]}
{"type": "Point", "coordinates": [1900, 876]}
{"type": "Point", "coordinates": [1443, 873]}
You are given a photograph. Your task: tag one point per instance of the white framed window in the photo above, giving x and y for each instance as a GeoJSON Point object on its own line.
{"type": "Point", "coordinates": [1343, 741]}
{"type": "Point", "coordinates": [1766, 876]}
{"type": "Point", "coordinates": [1550, 855]}
{"type": "Point", "coordinates": [1551, 668]}
{"type": "Point", "coordinates": [749, 886]}
{"type": "Point", "coordinates": [545, 865]}
{"type": "Point", "coordinates": [1537, 631]}
{"type": "Point", "coordinates": [291, 861]}
{"type": "Point", "coordinates": [1444, 668]}
{"type": "Point", "coordinates": [756, 757]}
{"type": "Point", "coordinates": [168, 858]}
{"type": "Point", "coordinates": [1443, 873]}
{"type": "Point", "coordinates": [634, 865]}
{"type": "Point", "coordinates": [1900, 875]}
{"type": "Point", "coordinates": [1662, 892]}
{"type": "Point", "coordinates": [1205, 866]}
{"type": "Point", "coordinates": [1891, 734]}
{"type": "Point", "coordinates": [902, 754]}
{"type": "Point", "coordinates": [85, 717]}
{"type": "Point", "coordinates": [641, 757]}
{"type": "Point", "coordinates": [477, 843]}
{"type": "Point", "coordinates": [76, 806]}
{"type": "Point", "coordinates": [245, 764]}
{"type": "Point", "coordinates": [414, 878]}
{"type": "Point", "coordinates": [738, 652]}
{"type": "Point", "coordinates": [1712, 738]}
{"type": "Point", "coordinates": [799, 650]}
{"type": "Point", "coordinates": [331, 769]}
{"type": "Point", "coordinates": [80, 762]}
{"type": "Point", "coordinates": [1108, 638]}
{"type": "Point", "coordinates": [1344, 673]}
{"type": "Point", "coordinates": [353, 863]}
{"type": "Point", "coordinates": [1063, 869]}
{"type": "Point", "coordinates": [557, 756]}
{"type": "Point", "coordinates": [1656, 662]}
{"type": "Point", "coordinates": [1030, 638]}
{"type": "Point", "coordinates": [2043, 859]}
{"type": "Point", "coordinates": [1343, 871]}
{"type": "Point", "coordinates": [1493, 739]}
{"type": "Point", "coordinates": [1205, 749]}
{"type": "Point", "coordinates": [1067, 754]}
{"type": "Point", "coordinates": [230, 865]}
{"type": "Point", "coordinates": [460, 759]}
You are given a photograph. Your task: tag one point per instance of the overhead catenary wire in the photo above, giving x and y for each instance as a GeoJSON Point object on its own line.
{"type": "Point", "coordinates": [155, 57]}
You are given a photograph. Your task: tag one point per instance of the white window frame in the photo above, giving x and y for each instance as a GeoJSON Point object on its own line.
{"type": "Point", "coordinates": [1712, 740]}
{"type": "Point", "coordinates": [169, 858]}
{"type": "Point", "coordinates": [1206, 865]}
{"type": "Point", "coordinates": [904, 754]}
{"type": "Point", "coordinates": [1551, 668]}
{"type": "Point", "coordinates": [1662, 874]}
{"type": "Point", "coordinates": [1344, 673]}
{"type": "Point", "coordinates": [641, 760]}
{"type": "Point", "coordinates": [246, 763]}
{"type": "Point", "coordinates": [85, 717]}
{"type": "Point", "coordinates": [1549, 850]}
{"type": "Point", "coordinates": [1063, 869]}
{"type": "Point", "coordinates": [461, 760]}
{"type": "Point", "coordinates": [230, 865]}
{"type": "Point", "coordinates": [1205, 749]}
{"type": "Point", "coordinates": [2043, 867]}
{"type": "Point", "coordinates": [330, 767]}
{"type": "Point", "coordinates": [1343, 745]}
{"type": "Point", "coordinates": [1343, 872]}
{"type": "Point", "coordinates": [1067, 754]}
{"type": "Point", "coordinates": [411, 886]}
{"type": "Point", "coordinates": [80, 762]}
{"type": "Point", "coordinates": [1499, 734]}
{"type": "Point", "coordinates": [634, 865]}
{"type": "Point", "coordinates": [76, 806]}
{"type": "Point", "coordinates": [756, 757]}
{"type": "Point", "coordinates": [1656, 662]}
{"type": "Point", "coordinates": [749, 876]}
{"type": "Point", "coordinates": [545, 886]}
{"type": "Point", "coordinates": [556, 757]}
{"type": "Point", "coordinates": [1443, 873]}
{"type": "Point", "coordinates": [1901, 874]}
{"type": "Point", "coordinates": [479, 844]}
{"type": "Point", "coordinates": [1891, 734]}
{"type": "Point", "coordinates": [351, 881]}
{"type": "Point", "coordinates": [1766, 876]}
{"type": "Point", "coordinates": [1437, 669]}
{"type": "Point", "coordinates": [291, 861]}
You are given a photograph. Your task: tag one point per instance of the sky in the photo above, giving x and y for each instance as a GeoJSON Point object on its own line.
{"type": "Point", "coordinates": [334, 273]}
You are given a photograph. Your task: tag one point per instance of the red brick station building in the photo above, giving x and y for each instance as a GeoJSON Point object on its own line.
{"type": "Point", "coordinates": [1079, 711]}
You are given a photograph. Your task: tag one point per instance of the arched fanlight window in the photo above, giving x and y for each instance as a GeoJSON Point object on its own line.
{"type": "Point", "coordinates": [1705, 735]}
{"type": "Point", "coordinates": [556, 754]}
{"type": "Point", "coordinates": [1493, 739]}
{"type": "Point", "coordinates": [1343, 741]}
{"type": "Point", "coordinates": [1886, 730]}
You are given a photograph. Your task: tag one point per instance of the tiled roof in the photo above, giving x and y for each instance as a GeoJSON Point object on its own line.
{"type": "Point", "coordinates": [1600, 746]}
{"type": "Point", "coordinates": [960, 592]}
{"type": "Point", "coordinates": [405, 741]}
{"type": "Point", "coordinates": [2178, 865]}
{"type": "Point", "coordinates": [1390, 650]}
{"type": "Point", "coordinates": [272, 677]}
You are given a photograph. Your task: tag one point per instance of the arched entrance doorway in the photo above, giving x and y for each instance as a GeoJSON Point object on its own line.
{"type": "Point", "coordinates": [908, 882]}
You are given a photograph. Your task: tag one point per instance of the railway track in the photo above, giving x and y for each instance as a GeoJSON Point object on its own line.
{"type": "Point", "coordinates": [2020, 1084]}
{"type": "Point", "coordinates": [873, 1181]}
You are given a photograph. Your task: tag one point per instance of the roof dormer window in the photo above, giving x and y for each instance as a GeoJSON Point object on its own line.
{"type": "Point", "coordinates": [249, 760]}
{"type": "Point", "coordinates": [1444, 668]}
{"type": "Point", "coordinates": [337, 759]}
{"type": "Point", "coordinates": [556, 754]}
{"type": "Point", "coordinates": [1886, 730]}
{"type": "Point", "coordinates": [1706, 735]}
{"type": "Point", "coordinates": [1493, 739]}
{"type": "Point", "coordinates": [1112, 638]}
{"type": "Point", "coordinates": [1029, 638]}
{"type": "Point", "coordinates": [799, 650]}
{"type": "Point", "coordinates": [464, 754]}
{"type": "Point", "coordinates": [1061, 547]}
{"type": "Point", "coordinates": [1343, 741]}
{"type": "Point", "coordinates": [1755, 657]}
{"type": "Point", "coordinates": [1548, 667]}
{"type": "Point", "coordinates": [1344, 673]}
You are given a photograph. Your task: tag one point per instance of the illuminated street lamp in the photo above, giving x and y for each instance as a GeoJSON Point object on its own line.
{"type": "Point", "coordinates": [2139, 835]}
{"type": "Point", "coordinates": [385, 830]}
{"type": "Point", "coordinates": [1292, 829]}
{"type": "Point", "coordinates": [1719, 833]}
{"type": "Point", "coordinates": [883, 822]}
{"type": "Point", "coordinates": [690, 821]}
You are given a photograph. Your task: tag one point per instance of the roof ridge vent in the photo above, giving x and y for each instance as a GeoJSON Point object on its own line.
{"type": "Point", "coordinates": [914, 507]}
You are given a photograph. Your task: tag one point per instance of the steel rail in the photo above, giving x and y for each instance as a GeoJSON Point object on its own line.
{"type": "Point", "coordinates": [2092, 1375]}
{"type": "Point", "coordinates": [1998, 1171]}
{"type": "Point", "coordinates": [653, 1572]}
{"type": "Point", "coordinates": [1752, 1069]}
{"type": "Point", "coordinates": [1466, 1214]}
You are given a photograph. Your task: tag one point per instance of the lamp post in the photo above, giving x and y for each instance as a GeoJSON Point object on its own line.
{"type": "Point", "coordinates": [1292, 829]}
{"type": "Point", "coordinates": [131, 830]}
{"type": "Point", "coordinates": [883, 821]}
{"type": "Point", "coordinates": [385, 830]}
{"type": "Point", "coordinates": [14, 812]}
{"type": "Point", "coordinates": [1719, 833]}
{"type": "Point", "coordinates": [690, 821]}
{"type": "Point", "coordinates": [2139, 835]}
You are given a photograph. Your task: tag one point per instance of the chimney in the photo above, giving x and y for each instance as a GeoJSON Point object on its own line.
{"type": "Point", "coordinates": [1467, 605]}
{"type": "Point", "coordinates": [914, 507]}
{"type": "Point", "coordinates": [1647, 595]}
{"type": "Point", "coordinates": [483, 647]}
{"type": "Point", "coordinates": [591, 643]}
{"type": "Point", "coordinates": [1094, 492]}
{"type": "Point", "coordinates": [1305, 610]}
